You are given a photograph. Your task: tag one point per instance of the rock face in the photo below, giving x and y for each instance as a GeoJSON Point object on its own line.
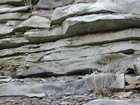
{"type": "Point", "coordinates": [58, 46]}
{"type": "Point", "coordinates": [69, 37]}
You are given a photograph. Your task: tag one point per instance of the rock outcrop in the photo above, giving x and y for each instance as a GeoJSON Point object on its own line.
{"type": "Point", "coordinates": [74, 39]}
{"type": "Point", "coordinates": [69, 37]}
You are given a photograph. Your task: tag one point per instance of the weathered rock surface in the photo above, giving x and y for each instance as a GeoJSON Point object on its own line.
{"type": "Point", "coordinates": [100, 38]}
{"type": "Point", "coordinates": [51, 4]}
{"type": "Point", "coordinates": [60, 14]}
{"type": "Point", "coordinates": [4, 29]}
{"type": "Point", "coordinates": [86, 37]}
{"type": "Point", "coordinates": [4, 79]}
{"type": "Point", "coordinates": [34, 22]}
{"type": "Point", "coordinates": [45, 36]}
{"type": "Point", "coordinates": [67, 57]}
{"type": "Point", "coordinates": [7, 8]}
{"type": "Point", "coordinates": [43, 13]}
{"type": "Point", "coordinates": [123, 94]}
{"type": "Point", "coordinates": [131, 80]}
{"type": "Point", "coordinates": [115, 102]}
{"type": "Point", "coordinates": [39, 95]}
{"type": "Point", "coordinates": [13, 2]}
{"type": "Point", "coordinates": [23, 89]}
{"type": "Point", "coordinates": [12, 42]}
{"type": "Point", "coordinates": [99, 23]}
{"type": "Point", "coordinates": [102, 80]}
{"type": "Point", "coordinates": [119, 83]}
{"type": "Point", "coordinates": [84, 1]}
{"type": "Point", "coordinates": [14, 16]}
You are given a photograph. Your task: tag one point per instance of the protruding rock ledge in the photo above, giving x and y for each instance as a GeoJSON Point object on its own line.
{"type": "Point", "coordinates": [12, 42]}
{"type": "Point", "coordinates": [79, 40]}
{"type": "Point", "coordinates": [99, 23]}
{"type": "Point", "coordinates": [14, 16]}
{"type": "Point", "coordinates": [62, 13]}
{"type": "Point", "coordinates": [68, 60]}
{"type": "Point", "coordinates": [34, 22]}
{"type": "Point", "coordinates": [12, 2]}
{"type": "Point", "coordinates": [45, 36]}
{"type": "Point", "coordinates": [8, 8]}
{"type": "Point", "coordinates": [4, 29]}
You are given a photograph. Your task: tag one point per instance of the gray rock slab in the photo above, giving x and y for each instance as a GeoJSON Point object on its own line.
{"type": "Point", "coordinates": [11, 89]}
{"type": "Point", "coordinates": [33, 48]}
{"type": "Point", "coordinates": [12, 42]}
{"type": "Point", "coordinates": [44, 47]}
{"type": "Point", "coordinates": [123, 94]}
{"type": "Point", "coordinates": [14, 16]}
{"type": "Point", "coordinates": [66, 60]}
{"type": "Point", "coordinates": [84, 1]}
{"type": "Point", "coordinates": [115, 102]}
{"type": "Point", "coordinates": [130, 60]}
{"type": "Point", "coordinates": [43, 13]}
{"type": "Point", "coordinates": [75, 87]}
{"type": "Point", "coordinates": [4, 29]}
{"type": "Point", "coordinates": [4, 79]}
{"type": "Point", "coordinates": [56, 88]}
{"type": "Point", "coordinates": [39, 95]}
{"type": "Point", "coordinates": [99, 23]}
{"type": "Point", "coordinates": [12, 2]}
{"type": "Point", "coordinates": [85, 51]}
{"type": "Point", "coordinates": [138, 78]}
{"type": "Point", "coordinates": [100, 38]}
{"type": "Point", "coordinates": [17, 60]}
{"type": "Point", "coordinates": [119, 83]}
{"type": "Point", "coordinates": [44, 36]}
{"type": "Point", "coordinates": [61, 58]}
{"type": "Point", "coordinates": [62, 13]}
{"type": "Point", "coordinates": [34, 22]}
{"type": "Point", "coordinates": [125, 6]}
{"type": "Point", "coordinates": [8, 8]}
{"type": "Point", "coordinates": [8, 27]}
{"type": "Point", "coordinates": [102, 80]}
{"type": "Point", "coordinates": [94, 39]}
{"type": "Point", "coordinates": [51, 4]}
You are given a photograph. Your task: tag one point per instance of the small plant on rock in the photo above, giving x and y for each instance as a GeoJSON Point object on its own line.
{"type": "Point", "coordinates": [30, 3]}
{"type": "Point", "coordinates": [102, 91]}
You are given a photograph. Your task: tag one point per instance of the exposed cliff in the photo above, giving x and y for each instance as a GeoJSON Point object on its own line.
{"type": "Point", "coordinates": [68, 37]}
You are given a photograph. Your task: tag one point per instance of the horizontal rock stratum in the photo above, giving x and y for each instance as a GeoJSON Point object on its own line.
{"type": "Point", "coordinates": [96, 39]}
{"type": "Point", "coordinates": [69, 39]}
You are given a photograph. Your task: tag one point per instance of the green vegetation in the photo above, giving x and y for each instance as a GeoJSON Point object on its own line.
{"type": "Point", "coordinates": [102, 91]}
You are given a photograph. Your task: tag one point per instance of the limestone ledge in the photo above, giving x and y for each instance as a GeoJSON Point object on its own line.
{"type": "Point", "coordinates": [70, 39]}
{"type": "Point", "coordinates": [63, 60]}
{"type": "Point", "coordinates": [54, 35]}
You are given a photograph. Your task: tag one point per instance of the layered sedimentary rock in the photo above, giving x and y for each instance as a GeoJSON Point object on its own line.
{"type": "Point", "coordinates": [69, 39]}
